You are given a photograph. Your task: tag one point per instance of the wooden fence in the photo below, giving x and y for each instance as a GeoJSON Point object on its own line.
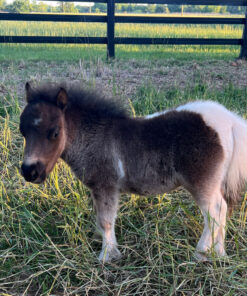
{"type": "Point", "coordinates": [111, 19]}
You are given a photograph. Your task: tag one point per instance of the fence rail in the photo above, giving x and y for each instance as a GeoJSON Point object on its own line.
{"type": "Point", "coordinates": [121, 19]}
{"type": "Point", "coordinates": [110, 18]}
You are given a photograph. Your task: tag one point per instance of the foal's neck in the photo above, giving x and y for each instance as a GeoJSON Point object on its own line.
{"type": "Point", "coordinates": [83, 130]}
{"type": "Point", "coordinates": [88, 139]}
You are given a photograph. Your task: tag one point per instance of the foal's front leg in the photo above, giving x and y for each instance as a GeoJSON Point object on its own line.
{"type": "Point", "coordinates": [106, 204]}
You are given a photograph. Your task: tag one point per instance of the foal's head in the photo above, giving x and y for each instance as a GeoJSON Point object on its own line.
{"type": "Point", "coordinates": [42, 124]}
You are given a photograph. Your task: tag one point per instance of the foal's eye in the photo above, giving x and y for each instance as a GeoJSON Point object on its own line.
{"type": "Point", "coordinates": [53, 133]}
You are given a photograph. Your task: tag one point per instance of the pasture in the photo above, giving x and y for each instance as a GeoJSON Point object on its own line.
{"type": "Point", "coordinates": [73, 52]}
{"type": "Point", "coordinates": [47, 242]}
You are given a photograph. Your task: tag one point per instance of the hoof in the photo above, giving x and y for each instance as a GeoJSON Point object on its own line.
{"type": "Point", "coordinates": [201, 257]}
{"type": "Point", "coordinates": [204, 257]}
{"type": "Point", "coordinates": [108, 255]}
{"type": "Point", "coordinates": [220, 251]}
{"type": "Point", "coordinates": [222, 256]}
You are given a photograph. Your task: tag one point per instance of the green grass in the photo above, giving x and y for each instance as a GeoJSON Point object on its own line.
{"type": "Point", "coordinates": [47, 246]}
{"type": "Point", "coordinates": [52, 52]}
{"type": "Point", "coordinates": [149, 99]}
{"type": "Point", "coordinates": [75, 52]}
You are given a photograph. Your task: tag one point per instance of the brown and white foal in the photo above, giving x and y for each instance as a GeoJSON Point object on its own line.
{"type": "Point", "coordinates": [201, 146]}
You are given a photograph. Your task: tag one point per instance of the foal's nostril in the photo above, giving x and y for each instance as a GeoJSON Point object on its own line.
{"type": "Point", "coordinates": [29, 172]}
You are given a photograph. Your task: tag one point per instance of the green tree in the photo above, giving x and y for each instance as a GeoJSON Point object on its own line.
{"type": "Point", "coordinates": [83, 9]}
{"type": "Point", "coordinates": [53, 9]}
{"type": "Point", "coordinates": [42, 7]}
{"type": "Point", "coordinates": [129, 8]}
{"type": "Point", "coordinates": [39, 7]}
{"type": "Point", "coordinates": [20, 6]}
{"type": "Point", "coordinates": [2, 4]}
{"type": "Point", "coordinates": [174, 8]}
{"type": "Point", "coordinates": [68, 7]}
{"type": "Point", "coordinates": [236, 9]}
{"type": "Point", "coordinates": [161, 8]}
{"type": "Point", "coordinates": [99, 7]}
{"type": "Point", "coordinates": [151, 8]}
{"type": "Point", "coordinates": [118, 7]}
{"type": "Point", "coordinates": [223, 9]}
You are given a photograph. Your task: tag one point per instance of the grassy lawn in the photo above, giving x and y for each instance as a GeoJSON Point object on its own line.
{"type": "Point", "coordinates": [55, 52]}
{"type": "Point", "coordinates": [47, 243]}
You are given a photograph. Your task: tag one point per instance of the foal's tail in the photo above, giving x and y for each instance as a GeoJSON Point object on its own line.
{"type": "Point", "coordinates": [237, 170]}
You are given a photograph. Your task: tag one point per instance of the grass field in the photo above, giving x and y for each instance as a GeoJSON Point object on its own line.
{"type": "Point", "coordinates": [47, 243]}
{"type": "Point", "coordinates": [73, 52]}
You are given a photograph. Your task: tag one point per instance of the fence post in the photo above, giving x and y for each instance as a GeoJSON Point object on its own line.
{"type": "Point", "coordinates": [110, 28]}
{"type": "Point", "coordinates": [243, 52]}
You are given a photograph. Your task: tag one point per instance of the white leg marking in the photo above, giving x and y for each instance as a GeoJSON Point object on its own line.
{"type": "Point", "coordinates": [106, 205]}
{"type": "Point", "coordinates": [220, 239]}
{"type": "Point", "coordinates": [109, 245]}
{"type": "Point", "coordinates": [214, 227]}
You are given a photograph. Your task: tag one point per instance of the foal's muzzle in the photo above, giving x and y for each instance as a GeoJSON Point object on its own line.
{"type": "Point", "coordinates": [34, 173]}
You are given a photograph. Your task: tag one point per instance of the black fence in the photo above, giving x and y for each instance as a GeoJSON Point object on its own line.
{"type": "Point", "coordinates": [111, 19]}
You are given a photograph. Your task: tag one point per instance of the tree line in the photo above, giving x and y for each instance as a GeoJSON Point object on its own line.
{"type": "Point", "coordinates": [19, 6]}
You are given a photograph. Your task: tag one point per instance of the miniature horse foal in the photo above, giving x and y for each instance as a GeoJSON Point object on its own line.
{"type": "Point", "coordinates": [201, 146]}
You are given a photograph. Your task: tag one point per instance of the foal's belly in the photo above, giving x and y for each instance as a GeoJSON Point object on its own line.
{"type": "Point", "coordinates": [146, 187]}
{"type": "Point", "coordinates": [153, 175]}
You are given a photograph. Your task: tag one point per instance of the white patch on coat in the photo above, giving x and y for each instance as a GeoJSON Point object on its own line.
{"type": "Point", "coordinates": [121, 169]}
{"type": "Point", "coordinates": [37, 121]}
{"type": "Point", "coordinates": [232, 131]}
{"type": "Point", "coordinates": [156, 114]}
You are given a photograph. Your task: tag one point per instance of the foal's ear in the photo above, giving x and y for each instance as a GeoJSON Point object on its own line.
{"type": "Point", "coordinates": [28, 89]}
{"type": "Point", "coordinates": [62, 98]}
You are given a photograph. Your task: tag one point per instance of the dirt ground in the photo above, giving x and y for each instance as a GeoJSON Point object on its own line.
{"type": "Point", "coordinates": [122, 78]}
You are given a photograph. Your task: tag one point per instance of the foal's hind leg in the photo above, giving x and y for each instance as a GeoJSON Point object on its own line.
{"type": "Point", "coordinates": [214, 210]}
{"type": "Point", "coordinates": [106, 204]}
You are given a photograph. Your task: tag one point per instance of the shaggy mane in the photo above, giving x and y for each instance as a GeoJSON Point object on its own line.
{"type": "Point", "coordinates": [88, 101]}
